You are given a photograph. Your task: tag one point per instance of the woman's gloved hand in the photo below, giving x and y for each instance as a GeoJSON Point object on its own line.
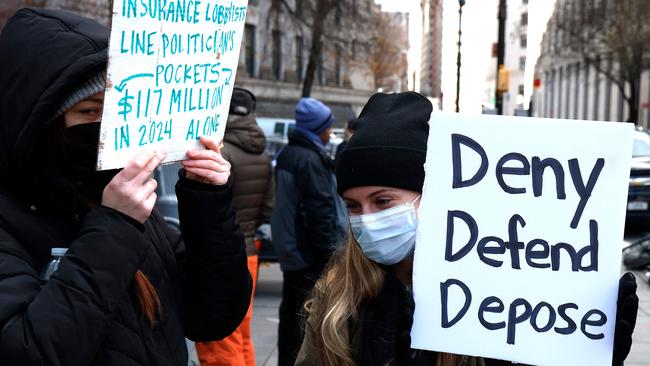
{"type": "Point", "coordinates": [627, 306]}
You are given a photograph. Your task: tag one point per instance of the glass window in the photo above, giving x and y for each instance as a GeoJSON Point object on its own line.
{"type": "Point", "coordinates": [321, 71]}
{"type": "Point", "coordinates": [523, 41]}
{"type": "Point", "coordinates": [249, 40]}
{"type": "Point", "coordinates": [522, 63]}
{"type": "Point", "coordinates": [524, 18]}
{"type": "Point", "coordinates": [277, 54]}
{"type": "Point", "coordinates": [641, 144]}
{"type": "Point", "coordinates": [299, 59]}
{"type": "Point", "coordinates": [338, 66]}
{"type": "Point", "coordinates": [279, 128]}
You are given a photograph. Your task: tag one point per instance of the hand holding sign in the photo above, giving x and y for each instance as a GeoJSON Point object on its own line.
{"type": "Point", "coordinates": [518, 247]}
{"type": "Point", "coordinates": [627, 308]}
{"type": "Point", "coordinates": [207, 166]}
{"type": "Point", "coordinates": [132, 191]}
{"type": "Point", "coordinates": [170, 76]}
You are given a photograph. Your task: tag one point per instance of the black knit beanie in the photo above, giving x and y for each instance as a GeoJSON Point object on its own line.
{"type": "Point", "coordinates": [389, 145]}
{"type": "Point", "coordinates": [242, 102]}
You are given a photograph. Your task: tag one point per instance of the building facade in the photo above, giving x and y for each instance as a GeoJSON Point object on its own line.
{"type": "Point", "coordinates": [394, 61]}
{"type": "Point", "coordinates": [518, 60]}
{"type": "Point", "coordinates": [568, 87]}
{"type": "Point", "coordinates": [275, 54]}
{"type": "Point", "coordinates": [431, 55]}
{"type": "Point", "coordinates": [96, 9]}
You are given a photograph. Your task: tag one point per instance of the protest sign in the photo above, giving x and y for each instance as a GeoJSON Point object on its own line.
{"type": "Point", "coordinates": [519, 238]}
{"type": "Point", "coordinates": [171, 72]}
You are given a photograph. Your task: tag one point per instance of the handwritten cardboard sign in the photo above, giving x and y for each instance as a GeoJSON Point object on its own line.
{"type": "Point", "coordinates": [171, 72]}
{"type": "Point", "coordinates": [519, 240]}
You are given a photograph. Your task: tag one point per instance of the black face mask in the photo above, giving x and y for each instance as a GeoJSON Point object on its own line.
{"type": "Point", "coordinates": [80, 154]}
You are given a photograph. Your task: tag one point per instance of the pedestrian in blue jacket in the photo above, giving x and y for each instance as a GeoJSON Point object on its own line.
{"type": "Point", "coordinates": [309, 217]}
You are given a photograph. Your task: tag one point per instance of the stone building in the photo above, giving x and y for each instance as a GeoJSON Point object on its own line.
{"type": "Point", "coordinates": [275, 52]}
{"type": "Point", "coordinates": [96, 9]}
{"type": "Point", "coordinates": [397, 80]}
{"type": "Point", "coordinates": [570, 88]}
{"type": "Point", "coordinates": [516, 58]}
{"type": "Point", "coordinates": [431, 61]}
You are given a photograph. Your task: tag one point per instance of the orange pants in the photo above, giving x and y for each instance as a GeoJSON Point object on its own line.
{"type": "Point", "coordinates": [236, 349]}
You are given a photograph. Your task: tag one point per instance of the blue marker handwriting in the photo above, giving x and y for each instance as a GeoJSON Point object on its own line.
{"type": "Point", "coordinates": [122, 84]}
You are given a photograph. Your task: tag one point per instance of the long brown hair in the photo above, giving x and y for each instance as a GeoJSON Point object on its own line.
{"type": "Point", "coordinates": [349, 279]}
{"type": "Point", "coordinates": [147, 296]}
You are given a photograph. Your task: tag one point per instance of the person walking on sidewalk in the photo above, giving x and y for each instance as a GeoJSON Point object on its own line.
{"type": "Point", "coordinates": [244, 145]}
{"type": "Point", "coordinates": [308, 221]}
{"type": "Point", "coordinates": [129, 289]}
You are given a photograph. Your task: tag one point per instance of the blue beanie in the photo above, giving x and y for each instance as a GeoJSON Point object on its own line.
{"type": "Point", "coordinates": [313, 115]}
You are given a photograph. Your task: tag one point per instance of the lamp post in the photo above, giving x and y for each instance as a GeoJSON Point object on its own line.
{"type": "Point", "coordinates": [460, 18]}
{"type": "Point", "coordinates": [501, 51]}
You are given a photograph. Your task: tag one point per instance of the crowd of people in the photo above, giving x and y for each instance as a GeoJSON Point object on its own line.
{"type": "Point", "coordinates": [129, 289]}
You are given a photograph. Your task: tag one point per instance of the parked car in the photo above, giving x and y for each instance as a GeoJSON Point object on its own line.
{"type": "Point", "coordinates": [277, 131]}
{"type": "Point", "coordinates": [167, 203]}
{"type": "Point", "coordinates": [638, 198]}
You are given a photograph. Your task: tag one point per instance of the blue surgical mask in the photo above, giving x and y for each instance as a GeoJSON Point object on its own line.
{"type": "Point", "coordinates": [388, 236]}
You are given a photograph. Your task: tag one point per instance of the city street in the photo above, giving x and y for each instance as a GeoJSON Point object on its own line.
{"type": "Point", "coordinates": [269, 289]}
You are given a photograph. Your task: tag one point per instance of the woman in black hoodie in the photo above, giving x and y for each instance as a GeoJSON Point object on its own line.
{"type": "Point", "coordinates": [129, 289]}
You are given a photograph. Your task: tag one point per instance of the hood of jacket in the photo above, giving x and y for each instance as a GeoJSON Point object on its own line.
{"type": "Point", "coordinates": [299, 138]}
{"type": "Point", "coordinates": [243, 132]}
{"type": "Point", "coordinates": [44, 55]}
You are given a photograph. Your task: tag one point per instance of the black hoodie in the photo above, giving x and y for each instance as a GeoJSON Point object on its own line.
{"type": "Point", "coordinates": [88, 313]}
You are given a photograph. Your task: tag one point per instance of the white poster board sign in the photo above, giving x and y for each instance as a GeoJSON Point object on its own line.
{"type": "Point", "coordinates": [171, 72]}
{"type": "Point", "coordinates": [519, 240]}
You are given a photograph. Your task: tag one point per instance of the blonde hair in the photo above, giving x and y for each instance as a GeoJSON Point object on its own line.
{"type": "Point", "coordinates": [350, 279]}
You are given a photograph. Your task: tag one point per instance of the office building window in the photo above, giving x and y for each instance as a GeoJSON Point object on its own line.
{"type": "Point", "coordinates": [249, 40]}
{"type": "Point", "coordinates": [277, 54]}
{"type": "Point", "coordinates": [299, 59]}
{"type": "Point", "coordinates": [523, 41]}
{"type": "Point", "coordinates": [338, 67]}
{"type": "Point", "coordinates": [524, 18]}
{"type": "Point", "coordinates": [321, 71]}
{"type": "Point", "coordinates": [522, 63]}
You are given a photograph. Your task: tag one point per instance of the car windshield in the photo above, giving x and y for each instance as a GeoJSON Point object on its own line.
{"type": "Point", "coordinates": [641, 144]}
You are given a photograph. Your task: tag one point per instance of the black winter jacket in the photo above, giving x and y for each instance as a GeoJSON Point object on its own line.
{"type": "Point", "coordinates": [309, 216]}
{"type": "Point", "coordinates": [88, 312]}
{"type": "Point", "coordinates": [383, 335]}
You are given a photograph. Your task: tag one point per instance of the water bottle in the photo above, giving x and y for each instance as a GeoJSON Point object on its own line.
{"type": "Point", "coordinates": [53, 264]}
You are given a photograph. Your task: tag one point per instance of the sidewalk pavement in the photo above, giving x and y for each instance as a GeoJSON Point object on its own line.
{"type": "Point", "coordinates": [269, 294]}
{"type": "Point", "coordinates": [265, 314]}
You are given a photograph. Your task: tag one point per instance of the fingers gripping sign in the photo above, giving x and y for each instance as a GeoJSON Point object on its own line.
{"type": "Point", "coordinates": [132, 191]}
{"type": "Point", "coordinates": [207, 166]}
